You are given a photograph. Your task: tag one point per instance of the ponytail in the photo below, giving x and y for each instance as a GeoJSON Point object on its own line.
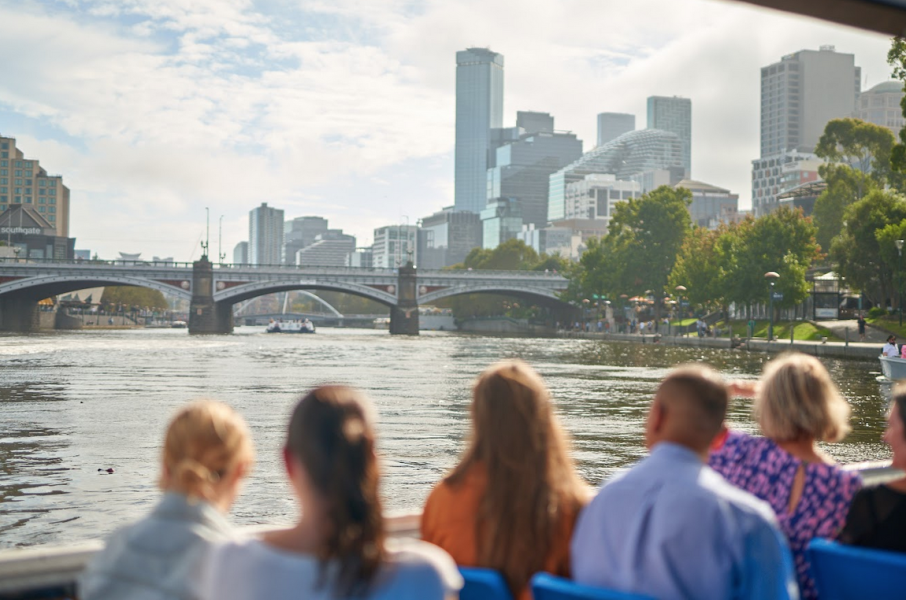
{"type": "Point", "coordinates": [330, 433]}
{"type": "Point", "coordinates": [204, 443]}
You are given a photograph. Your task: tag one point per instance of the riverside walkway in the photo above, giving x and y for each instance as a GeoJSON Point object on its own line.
{"type": "Point", "coordinates": [856, 350]}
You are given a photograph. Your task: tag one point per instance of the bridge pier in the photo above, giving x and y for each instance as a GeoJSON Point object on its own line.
{"type": "Point", "coordinates": [18, 314]}
{"type": "Point", "coordinates": [205, 315]}
{"type": "Point", "coordinates": [404, 316]}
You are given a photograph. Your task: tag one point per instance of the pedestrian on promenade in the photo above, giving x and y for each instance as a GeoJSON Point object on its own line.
{"type": "Point", "coordinates": [337, 548]}
{"type": "Point", "coordinates": [796, 406]}
{"type": "Point", "coordinates": [671, 527]}
{"type": "Point", "coordinates": [861, 324]}
{"type": "Point", "coordinates": [511, 502]}
{"type": "Point", "coordinates": [207, 453]}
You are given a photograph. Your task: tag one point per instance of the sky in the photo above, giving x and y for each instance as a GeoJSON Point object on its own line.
{"type": "Point", "coordinates": [154, 110]}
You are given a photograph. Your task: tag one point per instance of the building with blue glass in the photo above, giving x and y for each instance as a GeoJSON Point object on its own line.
{"type": "Point", "coordinates": [479, 109]}
{"type": "Point", "coordinates": [673, 114]}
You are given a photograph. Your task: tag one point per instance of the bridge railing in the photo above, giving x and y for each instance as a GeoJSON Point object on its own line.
{"type": "Point", "coordinates": [464, 273]}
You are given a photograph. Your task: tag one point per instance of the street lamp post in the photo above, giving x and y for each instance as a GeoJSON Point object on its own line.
{"type": "Point", "coordinates": [899, 244]}
{"type": "Point", "coordinates": [771, 276]}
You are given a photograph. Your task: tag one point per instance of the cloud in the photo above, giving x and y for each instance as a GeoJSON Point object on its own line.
{"type": "Point", "coordinates": [154, 109]}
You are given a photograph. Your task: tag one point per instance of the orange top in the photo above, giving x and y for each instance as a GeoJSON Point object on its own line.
{"type": "Point", "coordinates": [448, 521]}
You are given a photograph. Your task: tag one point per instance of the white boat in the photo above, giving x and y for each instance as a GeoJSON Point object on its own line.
{"type": "Point", "coordinates": [894, 368]}
{"type": "Point", "coordinates": [305, 326]}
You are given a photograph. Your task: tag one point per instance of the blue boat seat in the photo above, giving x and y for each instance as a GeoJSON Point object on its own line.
{"type": "Point", "coordinates": [844, 572]}
{"type": "Point", "coordinates": [483, 584]}
{"type": "Point", "coordinates": [549, 587]}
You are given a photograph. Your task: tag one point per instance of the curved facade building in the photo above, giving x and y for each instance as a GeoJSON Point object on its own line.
{"type": "Point", "coordinates": [630, 154]}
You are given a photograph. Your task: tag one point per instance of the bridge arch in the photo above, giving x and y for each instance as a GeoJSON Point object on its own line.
{"type": "Point", "coordinates": [247, 291]}
{"type": "Point", "coordinates": [44, 286]}
{"type": "Point", "coordinates": [546, 296]}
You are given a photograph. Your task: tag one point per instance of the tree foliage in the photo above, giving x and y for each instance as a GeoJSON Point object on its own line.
{"type": "Point", "coordinates": [864, 250]}
{"type": "Point", "coordinates": [896, 58]}
{"type": "Point", "coordinates": [845, 186]}
{"type": "Point", "coordinates": [701, 268]}
{"type": "Point", "coordinates": [864, 146]}
{"type": "Point", "coordinates": [134, 296]}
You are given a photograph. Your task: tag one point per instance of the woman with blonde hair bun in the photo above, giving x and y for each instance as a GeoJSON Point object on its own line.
{"type": "Point", "coordinates": [207, 452]}
{"type": "Point", "coordinates": [513, 499]}
{"type": "Point", "coordinates": [796, 406]}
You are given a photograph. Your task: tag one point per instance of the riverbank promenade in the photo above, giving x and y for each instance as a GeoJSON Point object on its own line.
{"type": "Point", "coordinates": [855, 350]}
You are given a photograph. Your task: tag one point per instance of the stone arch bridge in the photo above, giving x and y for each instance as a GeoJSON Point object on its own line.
{"type": "Point", "coordinates": [212, 290]}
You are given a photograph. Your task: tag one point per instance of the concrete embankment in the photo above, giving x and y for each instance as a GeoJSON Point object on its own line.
{"type": "Point", "coordinates": [829, 349]}
{"type": "Point", "coordinates": [504, 325]}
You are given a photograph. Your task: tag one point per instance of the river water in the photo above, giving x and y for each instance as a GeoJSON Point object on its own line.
{"type": "Point", "coordinates": [72, 403]}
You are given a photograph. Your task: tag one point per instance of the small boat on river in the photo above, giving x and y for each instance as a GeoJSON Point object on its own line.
{"type": "Point", "coordinates": [305, 326]}
{"type": "Point", "coordinates": [894, 368]}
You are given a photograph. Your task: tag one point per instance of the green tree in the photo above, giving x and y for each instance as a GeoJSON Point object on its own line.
{"type": "Point", "coordinates": [701, 268]}
{"type": "Point", "coordinates": [845, 186]}
{"type": "Point", "coordinates": [134, 296]}
{"type": "Point", "coordinates": [858, 251]}
{"type": "Point", "coordinates": [782, 241]}
{"type": "Point", "coordinates": [896, 58]}
{"type": "Point", "coordinates": [865, 146]}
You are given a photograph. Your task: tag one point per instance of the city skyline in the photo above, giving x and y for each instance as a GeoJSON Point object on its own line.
{"type": "Point", "coordinates": [222, 107]}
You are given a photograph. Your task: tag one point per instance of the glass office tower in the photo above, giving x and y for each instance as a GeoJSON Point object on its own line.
{"type": "Point", "coordinates": [479, 108]}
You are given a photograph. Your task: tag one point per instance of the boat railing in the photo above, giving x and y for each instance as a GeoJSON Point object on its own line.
{"type": "Point", "coordinates": [52, 571]}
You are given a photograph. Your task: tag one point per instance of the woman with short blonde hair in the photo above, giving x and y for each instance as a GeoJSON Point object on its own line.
{"type": "Point", "coordinates": [797, 399]}
{"type": "Point", "coordinates": [512, 501]}
{"type": "Point", "coordinates": [207, 452]}
{"type": "Point", "coordinates": [796, 405]}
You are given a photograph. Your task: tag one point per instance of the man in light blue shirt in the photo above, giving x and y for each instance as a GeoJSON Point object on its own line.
{"type": "Point", "coordinates": [672, 528]}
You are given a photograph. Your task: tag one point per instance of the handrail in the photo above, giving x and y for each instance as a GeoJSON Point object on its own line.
{"type": "Point", "coordinates": [57, 567]}
{"type": "Point", "coordinates": [33, 262]}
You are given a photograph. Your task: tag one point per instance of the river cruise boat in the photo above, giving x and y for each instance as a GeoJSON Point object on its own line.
{"type": "Point", "coordinates": [305, 326]}
{"type": "Point", "coordinates": [894, 368]}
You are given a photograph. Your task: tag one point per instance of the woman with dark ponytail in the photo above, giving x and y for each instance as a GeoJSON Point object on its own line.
{"type": "Point", "coordinates": [337, 549]}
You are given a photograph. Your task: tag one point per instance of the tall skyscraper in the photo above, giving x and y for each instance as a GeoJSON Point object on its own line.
{"type": "Point", "coordinates": [801, 93]}
{"type": "Point", "coordinates": [479, 108]}
{"type": "Point", "coordinates": [23, 181]}
{"type": "Point", "coordinates": [523, 166]}
{"type": "Point", "coordinates": [613, 125]}
{"type": "Point", "coordinates": [673, 115]}
{"type": "Point", "coordinates": [265, 235]}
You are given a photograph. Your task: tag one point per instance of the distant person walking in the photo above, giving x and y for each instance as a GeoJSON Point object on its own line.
{"type": "Point", "coordinates": [861, 323]}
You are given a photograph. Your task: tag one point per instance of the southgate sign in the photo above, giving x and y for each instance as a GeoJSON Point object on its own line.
{"type": "Point", "coordinates": [22, 230]}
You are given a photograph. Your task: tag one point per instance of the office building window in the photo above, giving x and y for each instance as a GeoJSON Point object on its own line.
{"type": "Point", "coordinates": [51, 218]}
{"type": "Point", "coordinates": [40, 200]}
{"type": "Point", "coordinates": [4, 172]}
{"type": "Point", "coordinates": [28, 191]}
{"type": "Point", "coordinates": [4, 146]}
{"type": "Point", "coordinates": [51, 192]}
{"type": "Point", "coordinates": [3, 190]}
{"type": "Point", "coordinates": [52, 209]}
{"type": "Point", "coordinates": [42, 192]}
{"type": "Point", "coordinates": [2, 207]}
{"type": "Point", "coordinates": [4, 181]}
{"type": "Point", "coordinates": [4, 155]}
{"type": "Point", "coordinates": [4, 163]}
{"type": "Point", "coordinates": [42, 182]}
{"type": "Point", "coordinates": [51, 200]}
{"type": "Point", "coordinates": [40, 209]}
{"type": "Point", "coordinates": [28, 173]}
{"type": "Point", "coordinates": [18, 199]}
{"type": "Point", "coordinates": [18, 163]}
{"type": "Point", "coordinates": [18, 190]}
{"type": "Point", "coordinates": [51, 182]}
{"type": "Point", "coordinates": [28, 199]}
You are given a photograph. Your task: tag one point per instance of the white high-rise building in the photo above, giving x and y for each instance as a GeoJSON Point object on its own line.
{"type": "Point", "coordinates": [265, 235]}
{"type": "Point", "coordinates": [799, 95]}
{"type": "Point", "coordinates": [479, 108]}
{"type": "Point", "coordinates": [394, 246]}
